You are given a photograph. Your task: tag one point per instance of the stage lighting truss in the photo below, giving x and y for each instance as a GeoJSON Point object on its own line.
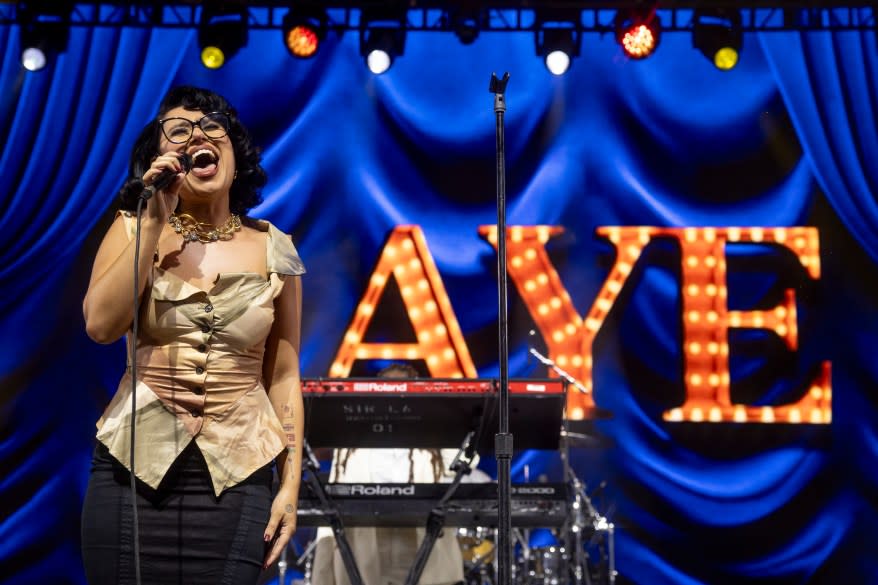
{"type": "Point", "coordinates": [382, 37]}
{"type": "Point", "coordinates": [45, 33]}
{"type": "Point", "coordinates": [716, 32]}
{"type": "Point", "coordinates": [222, 32]}
{"type": "Point", "coordinates": [304, 28]}
{"type": "Point", "coordinates": [638, 31]}
{"type": "Point", "coordinates": [466, 22]}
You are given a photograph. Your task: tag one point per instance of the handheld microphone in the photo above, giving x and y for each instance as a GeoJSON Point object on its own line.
{"type": "Point", "coordinates": [167, 176]}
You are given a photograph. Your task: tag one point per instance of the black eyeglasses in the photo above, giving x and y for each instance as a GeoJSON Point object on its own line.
{"type": "Point", "coordinates": [179, 130]}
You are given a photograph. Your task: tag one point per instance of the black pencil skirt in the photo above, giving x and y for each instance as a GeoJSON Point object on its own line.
{"type": "Point", "coordinates": [188, 536]}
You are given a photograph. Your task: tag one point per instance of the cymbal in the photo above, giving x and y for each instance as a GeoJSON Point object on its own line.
{"type": "Point", "coordinates": [584, 441]}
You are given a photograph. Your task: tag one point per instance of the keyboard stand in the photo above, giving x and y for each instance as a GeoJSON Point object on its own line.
{"type": "Point", "coordinates": [312, 466]}
{"type": "Point", "coordinates": [462, 465]}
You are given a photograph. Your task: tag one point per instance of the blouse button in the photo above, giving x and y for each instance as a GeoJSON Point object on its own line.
{"type": "Point", "coordinates": [202, 348]}
{"type": "Point", "coordinates": [195, 412]}
{"type": "Point", "coordinates": [199, 370]}
{"type": "Point", "coordinates": [198, 390]}
{"type": "Point", "coordinates": [208, 308]}
{"type": "Point", "coordinates": [205, 328]}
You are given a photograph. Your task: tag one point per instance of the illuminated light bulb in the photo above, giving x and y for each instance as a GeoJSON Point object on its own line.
{"type": "Point", "coordinates": [336, 370]}
{"type": "Point", "coordinates": [415, 313]}
{"type": "Point", "coordinates": [411, 353]}
{"type": "Point", "coordinates": [562, 360]}
{"type": "Point", "coordinates": [735, 320]}
{"type": "Point", "coordinates": [423, 284]}
{"type": "Point", "coordinates": [781, 330]}
{"type": "Point", "coordinates": [588, 361]}
{"type": "Point", "coordinates": [576, 360]}
{"type": "Point", "coordinates": [425, 336]}
{"type": "Point", "coordinates": [414, 263]}
{"type": "Point", "coordinates": [634, 251]}
{"type": "Point", "coordinates": [614, 286]}
{"type": "Point", "coordinates": [570, 329]}
{"type": "Point", "coordinates": [432, 359]}
{"type": "Point", "coordinates": [577, 413]}
{"type": "Point", "coordinates": [555, 303]}
{"type": "Point", "coordinates": [430, 306]}
{"type": "Point", "coordinates": [780, 235]}
{"type": "Point", "coordinates": [515, 234]}
{"type": "Point", "coordinates": [795, 415]}
{"type": "Point", "coordinates": [805, 260]}
{"type": "Point", "coordinates": [721, 265]}
{"type": "Point", "coordinates": [692, 290]}
{"type": "Point", "coordinates": [542, 278]}
{"type": "Point", "coordinates": [725, 378]}
{"type": "Point", "coordinates": [406, 291]}
{"type": "Point", "coordinates": [676, 415]}
{"type": "Point", "coordinates": [816, 416]}
{"type": "Point", "coordinates": [391, 251]}
{"type": "Point", "coordinates": [709, 234]}
{"type": "Point", "coordinates": [614, 235]}
{"type": "Point", "coordinates": [407, 244]}
{"type": "Point", "coordinates": [643, 235]}
{"type": "Point", "coordinates": [780, 311]}
{"type": "Point", "coordinates": [440, 330]}
{"type": "Point", "coordinates": [362, 353]}
{"type": "Point", "coordinates": [692, 261]}
{"type": "Point", "coordinates": [756, 234]}
{"type": "Point", "coordinates": [696, 415]}
{"type": "Point", "coordinates": [767, 414]}
{"type": "Point", "coordinates": [352, 337]}
{"type": "Point", "coordinates": [713, 348]}
{"type": "Point", "coordinates": [516, 261]}
{"type": "Point", "coordinates": [690, 234]}
{"type": "Point", "coordinates": [592, 324]}
{"type": "Point", "coordinates": [715, 415]}
{"type": "Point", "coordinates": [378, 279]}
{"type": "Point", "coordinates": [367, 309]}
{"type": "Point", "coordinates": [758, 321]}
{"type": "Point", "coordinates": [713, 380]}
{"type": "Point", "coordinates": [492, 237]}
{"type": "Point", "coordinates": [604, 304]}
{"type": "Point", "coordinates": [827, 416]}
{"type": "Point", "coordinates": [558, 336]}
{"type": "Point", "coordinates": [695, 348]}
{"type": "Point", "coordinates": [543, 309]}
{"type": "Point", "coordinates": [529, 285]}
{"type": "Point", "coordinates": [448, 353]}
{"type": "Point", "coordinates": [624, 268]}
{"type": "Point", "coordinates": [816, 392]}
{"type": "Point", "coordinates": [695, 379]}
{"type": "Point", "coordinates": [800, 242]}
{"type": "Point", "coordinates": [740, 414]}
{"type": "Point", "coordinates": [387, 352]}
{"type": "Point", "coordinates": [734, 234]}
{"type": "Point", "coordinates": [710, 289]}
{"type": "Point", "coordinates": [530, 253]}
{"type": "Point", "coordinates": [399, 271]}
{"type": "Point", "coordinates": [694, 316]}
{"type": "Point", "coordinates": [543, 234]}
{"type": "Point", "coordinates": [723, 292]}
{"type": "Point", "coordinates": [712, 316]}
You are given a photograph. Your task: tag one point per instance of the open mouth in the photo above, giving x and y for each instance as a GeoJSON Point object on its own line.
{"type": "Point", "coordinates": [204, 163]}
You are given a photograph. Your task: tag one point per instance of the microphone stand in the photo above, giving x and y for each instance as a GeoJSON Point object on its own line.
{"type": "Point", "coordinates": [503, 439]}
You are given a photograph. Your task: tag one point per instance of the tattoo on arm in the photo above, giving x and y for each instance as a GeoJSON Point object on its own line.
{"type": "Point", "coordinates": [289, 508]}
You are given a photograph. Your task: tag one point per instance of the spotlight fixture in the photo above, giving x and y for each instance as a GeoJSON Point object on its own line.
{"type": "Point", "coordinates": [717, 34]}
{"type": "Point", "coordinates": [557, 47]}
{"type": "Point", "coordinates": [222, 32]}
{"type": "Point", "coordinates": [382, 38]}
{"type": "Point", "coordinates": [44, 33]}
{"type": "Point", "coordinates": [304, 28]}
{"type": "Point", "coordinates": [466, 22]}
{"type": "Point", "coordinates": [638, 31]}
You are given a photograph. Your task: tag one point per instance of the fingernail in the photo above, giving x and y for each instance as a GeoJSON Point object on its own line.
{"type": "Point", "coordinates": [267, 537]}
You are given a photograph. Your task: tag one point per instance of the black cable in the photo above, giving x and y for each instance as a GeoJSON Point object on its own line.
{"type": "Point", "coordinates": [135, 326]}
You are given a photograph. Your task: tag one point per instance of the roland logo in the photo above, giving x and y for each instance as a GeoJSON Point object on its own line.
{"type": "Point", "coordinates": [534, 490]}
{"type": "Point", "coordinates": [380, 387]}
{"type": "Point", "coordinates": [359, 489]}
{"type": "Point", "coordinates": [535, 387]}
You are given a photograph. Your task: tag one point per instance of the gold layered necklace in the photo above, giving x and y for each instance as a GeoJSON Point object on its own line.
{"type": "Point", "coordinates": [193, 230]}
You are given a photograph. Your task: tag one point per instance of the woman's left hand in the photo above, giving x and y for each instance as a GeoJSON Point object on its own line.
{"type": "Point", "coordinates": [282, 524]}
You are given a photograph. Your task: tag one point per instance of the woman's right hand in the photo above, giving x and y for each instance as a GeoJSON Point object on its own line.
{"type": "Point", "coordinates": [160, 207]}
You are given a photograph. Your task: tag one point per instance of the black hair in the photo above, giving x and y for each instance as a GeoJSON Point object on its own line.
{"type": "Point", "coordinates": [251, 177]}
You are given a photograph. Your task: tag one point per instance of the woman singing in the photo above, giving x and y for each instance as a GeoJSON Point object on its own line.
{"type": "Point", "coordinates": [217, 390]}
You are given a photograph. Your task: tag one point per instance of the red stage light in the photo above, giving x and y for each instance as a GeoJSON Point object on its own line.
{"type": "Point", "coordinates": [302, 41]}
{"type": "Point", "coordinates": [638, 32]}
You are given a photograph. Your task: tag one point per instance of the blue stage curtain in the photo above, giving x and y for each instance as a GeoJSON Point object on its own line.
{"type": "Point", "coordinates": [785, 139]}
